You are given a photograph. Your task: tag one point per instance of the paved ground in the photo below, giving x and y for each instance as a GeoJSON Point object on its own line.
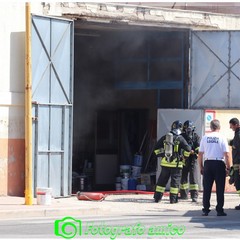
{"type": "Point", "coordinates": [126, 204]}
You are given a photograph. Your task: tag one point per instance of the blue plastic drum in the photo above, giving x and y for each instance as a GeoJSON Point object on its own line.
{"type": "Point", "coordinates": [132, 184]}
{"type": "Point", "coordinates": [137, 160]}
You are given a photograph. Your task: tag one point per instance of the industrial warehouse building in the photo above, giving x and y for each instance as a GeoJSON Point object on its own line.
{"type": "Point", "coordinates": [107, 80]}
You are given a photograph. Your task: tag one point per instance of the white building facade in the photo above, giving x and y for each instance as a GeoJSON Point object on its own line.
{"type": "Point", "coordinates": [12, 62]}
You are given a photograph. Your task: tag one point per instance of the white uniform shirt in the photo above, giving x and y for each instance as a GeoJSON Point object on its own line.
{"type": "Point", "coordinates": [214, 145]}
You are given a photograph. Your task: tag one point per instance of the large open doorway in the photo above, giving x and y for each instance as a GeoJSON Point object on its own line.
{"type": "Point", "coordinates": [122, 76]}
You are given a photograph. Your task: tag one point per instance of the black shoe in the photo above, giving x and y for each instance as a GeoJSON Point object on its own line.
{"type": "Point", "coordinates": [221, 214]}
{"type": "Point", "coordinates": [156, 200]}
{"type": "Point", "coordinates": [237, 207]}
{"type": "Point", "coordinates": [194, 199]}
{"type": "Point", "coordinates": [205, 212]}
{"type": "Point", "coordinates": [172, 202]}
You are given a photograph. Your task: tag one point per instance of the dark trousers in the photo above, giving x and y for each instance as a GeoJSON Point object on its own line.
{"type": "Point", "coordinates": [214, 170]}
{"type": "Point", "coordinates": [190, 169]}
{"type": "Point", "coordinates": [175, 175]}
{"type": "Point", "coordinates": [236, 179]}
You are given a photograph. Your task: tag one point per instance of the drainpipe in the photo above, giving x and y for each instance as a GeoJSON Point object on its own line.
{"type": "Point", "coordinates": [28, 109]}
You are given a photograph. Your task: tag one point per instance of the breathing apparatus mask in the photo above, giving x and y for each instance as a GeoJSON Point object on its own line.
{"type": "Point", "coordinates": [188, 128]}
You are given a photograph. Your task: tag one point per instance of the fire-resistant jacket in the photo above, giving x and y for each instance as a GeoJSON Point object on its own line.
{"type": "Point", "coordinates": [194, 143]}
{"type": "Point", "coordinates": [236, 147]}
{"type": "Point", "coordinates": [180, 149]}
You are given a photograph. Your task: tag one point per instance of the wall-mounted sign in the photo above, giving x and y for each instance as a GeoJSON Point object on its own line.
{"type": "Point", "coordinates": [209, 116]}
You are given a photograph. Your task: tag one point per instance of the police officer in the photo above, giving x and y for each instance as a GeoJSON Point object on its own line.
{"type": "Point", "coordinates": [214, 148]}
{"type": "Point", "coordinates": [169, 148]}
{"type": "Point", "coordinates": [235, 143]}
{"type": "Point", "coordinates": [190, 164]}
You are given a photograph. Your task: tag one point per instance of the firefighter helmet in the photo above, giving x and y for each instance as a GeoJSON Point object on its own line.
{"type": "Point", "coordinates": [176, 127]}
{"type": "Point", "coordinates": [188, 124]}
{"type": "Point", "coordinates": [188, 127]}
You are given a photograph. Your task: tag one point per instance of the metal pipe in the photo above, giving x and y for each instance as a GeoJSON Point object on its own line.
{"type": "Point", "coordinates": [28, 109]}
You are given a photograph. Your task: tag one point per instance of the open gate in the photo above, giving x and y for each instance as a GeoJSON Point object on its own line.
{"type": "Point", "coordinates": [52, 99]}
{"type": "Point", "coordinates": [215, 69]}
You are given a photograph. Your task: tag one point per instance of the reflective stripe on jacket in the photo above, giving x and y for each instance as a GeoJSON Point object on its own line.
{"type": "Point", "coordinates": [173, 163]}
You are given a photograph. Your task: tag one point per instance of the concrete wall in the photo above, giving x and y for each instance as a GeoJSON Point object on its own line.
{"type": "Point", "coordinates": [224, 116]}
{"type": "Point", "coordinates": [12, 48]}
{"type": "Point", "coordinates": [143, 15]}
{"type": "Point", "coordinates": [12, 62]}
{"type": "Point", "coordinates": [214, 7]}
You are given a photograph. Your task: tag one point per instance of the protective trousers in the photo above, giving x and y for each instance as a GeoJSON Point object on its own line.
{"type": "Point", "coordinates": [236, 175]}
{"type": "Point", "coordinates": [214, 170]}
{"type": "Point", "coordinates": [166, 173]}
{"type": "Point", "coordinates": [189, 169]}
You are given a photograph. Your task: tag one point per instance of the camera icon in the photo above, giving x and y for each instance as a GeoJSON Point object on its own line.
{"type": "Point", "coordinates": [67, 227]}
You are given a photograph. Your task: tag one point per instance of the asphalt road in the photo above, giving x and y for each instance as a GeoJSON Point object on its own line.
{"type": "Point", "coordinates": [162, 225]}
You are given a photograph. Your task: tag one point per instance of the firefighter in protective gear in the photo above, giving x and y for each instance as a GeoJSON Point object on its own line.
{"type": "Point", "coordinates": [235, 144]}
{"type": "Point", "coordinates": [171, 161]}
{"type": "Point", "coordinates": [190, 164]}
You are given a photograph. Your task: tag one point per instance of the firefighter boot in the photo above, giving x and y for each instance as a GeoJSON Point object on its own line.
{"type": "Point", "coordinates": [157, 196]}
{"type": "Point", "coordinates": [194, 195]}
{"type": "Point", "coordinates": [173, 198]}
{"type": "Point", "coordinates": [183, 194]}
